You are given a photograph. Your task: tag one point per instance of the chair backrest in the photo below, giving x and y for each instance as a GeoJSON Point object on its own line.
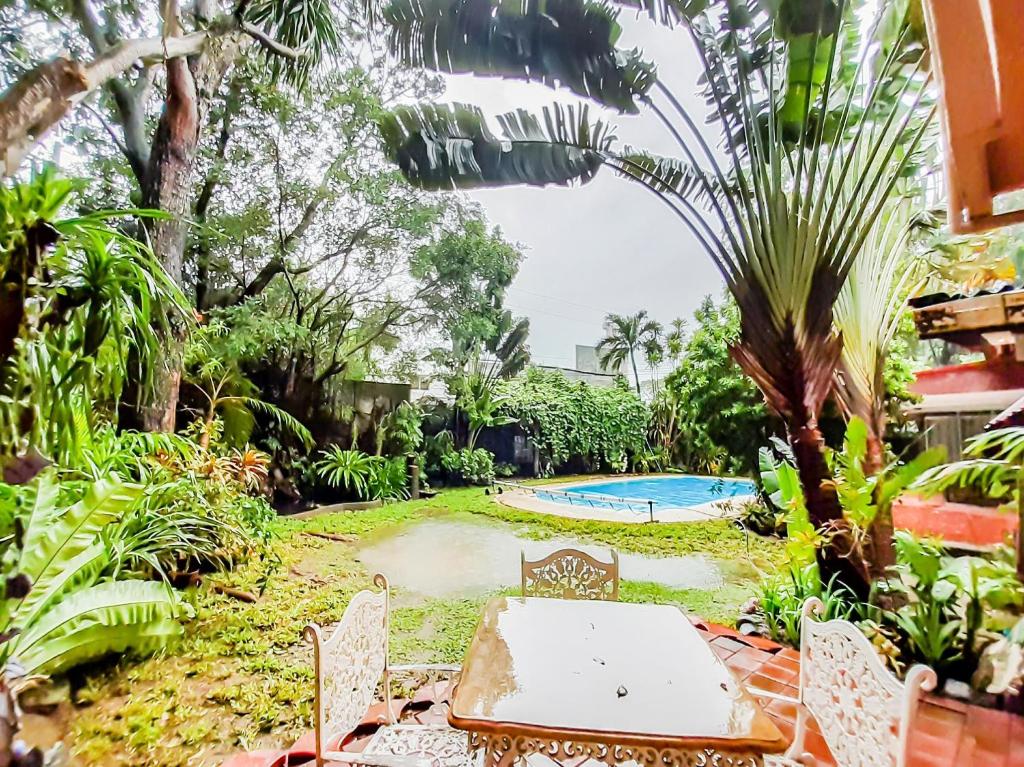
{"type": "Point", "coordinates": [864, 712]}
{"type": "Point", "coordinates": [571, 574]}
{"type": "Point", "coordinates": [349, 665]}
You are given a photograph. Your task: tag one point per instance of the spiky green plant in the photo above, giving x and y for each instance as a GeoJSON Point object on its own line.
{"type": "Point", "coordinates": [80, 308]}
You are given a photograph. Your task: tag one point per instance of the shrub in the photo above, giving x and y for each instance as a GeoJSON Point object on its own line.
{"type": "Point", "coordinates": [571, 420]}
{"type": "Point", "coordinates": [388, 479]}
{"type": "Point", "coordinates": [944, 608]}
{"type": "Point", "coordinates": [762, 519]}
{"type": "Point", "coordinates": [782, 599]}
{"type": "Point", "coordinates": [366, 476]}
{"type": "Point", "coordinates": [470, 467]}
{"type": "Point", "coordinates": [348, 469]}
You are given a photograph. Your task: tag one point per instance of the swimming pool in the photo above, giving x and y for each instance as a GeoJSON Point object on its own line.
{"type": "Point", "coordinates": [668, 493]}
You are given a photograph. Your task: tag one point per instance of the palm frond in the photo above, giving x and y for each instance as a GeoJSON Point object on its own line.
{"type": "Point", "coordinates": [555, 42]}
{"type": "Point", "coordinates": [445, 147]}
{"type": "Point", "coordinates": [870, 306]}
{"type": "Point", "coordinates": [282, 418]}
{"type": "Point", "coordinates": [307, 26]}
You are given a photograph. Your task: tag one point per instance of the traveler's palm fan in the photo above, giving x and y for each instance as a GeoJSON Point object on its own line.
{"type": "Point", "coordinates": [811, 147]}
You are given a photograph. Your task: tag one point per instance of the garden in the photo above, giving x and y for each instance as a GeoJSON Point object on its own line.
{"type": "Point", "coordinates": [256, 344]}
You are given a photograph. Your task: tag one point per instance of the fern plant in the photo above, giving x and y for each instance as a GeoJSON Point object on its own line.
{"type": "Point", "coordinates": [62, 609]}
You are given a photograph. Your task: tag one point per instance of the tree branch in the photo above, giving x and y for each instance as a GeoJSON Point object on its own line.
{"type": "Point", "coordinates": [45, 95]}
{"type": "Point", "coordinates": [269, 44]}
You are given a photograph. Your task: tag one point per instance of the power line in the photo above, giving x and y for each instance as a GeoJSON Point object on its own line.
{"type": "Point", "coordinates": [523, 310]}
{"type": "Point", "coordinates": [560, 300]}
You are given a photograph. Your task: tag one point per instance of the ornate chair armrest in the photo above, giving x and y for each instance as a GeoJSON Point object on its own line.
{"type": "Point", "coordinates": [804, 760]}
{"type": "Point", "coordinates": [375, 760]}
{"type": "Point", "coordinates": [759, 693]}
{"type": "Point", "coordinates": [425, 667]}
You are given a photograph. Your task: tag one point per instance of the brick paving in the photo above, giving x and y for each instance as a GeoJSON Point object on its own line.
{"type": "Point", "coordinates": [946, 733]}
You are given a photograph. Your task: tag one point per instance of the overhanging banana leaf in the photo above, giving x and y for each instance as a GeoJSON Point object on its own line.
{"type": "Point", "coordinates": [555, 42]}
{"type": "Point", "coordinates": [450, 146]}
{"type": "Point", "coordinates": [111, 617]}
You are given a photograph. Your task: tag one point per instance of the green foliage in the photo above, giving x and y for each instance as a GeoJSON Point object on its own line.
{"type": "Point", "coordinates": [709, 414]}
{"type": "Point", "coordinates": [469, 466]}
{"type": "Point", "coordinates": [995, 465]}
{"type": "Point", "coordinates": [72, 612]}
{"type": "Point", "coordinates": [567, 420]}
{"type": "Point", "coordinates": [213, 366]}
{"type": "Point", "coordinates": [404, 426]}
{"type": "Point", "coordinates": [762, 518]}
{"type": "Point", "coordinates": [196, 508]}
{"type": "Point", "coordinates": [388, 479]}
{"type": "Point", "coordinates": [782, 598]}
{"type": "Point", "coordinates": [349, 469]}
{"type": "Point", "coordinates": [480, 399]}
{"type": "Point", "coordinates": [82, 306]}
{"type": "Point", "coordinates": [781, 486]}
{"type": "Point", "coordinates": [366, 476]}
{"type": "Point", "coordinates": [864, 497]}
{"type": "Point", "coordinates": [472, 268]}
{"type": "Point", "coordinates": [945, 602]}
{"type": "Point", "coordinates": [435, 448]}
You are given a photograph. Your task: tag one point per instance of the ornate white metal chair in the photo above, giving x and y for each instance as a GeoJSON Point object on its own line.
{"type": "Point", "coordinates": [349, 668]}
{"type": "Point", "coordinates": [571, 574]}
{"type": "Point", "coordinates": [864, 712]}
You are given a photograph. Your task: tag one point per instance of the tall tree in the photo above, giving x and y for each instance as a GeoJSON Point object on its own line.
{"type": "Point", "coordinates": [814, 139]}
{"type": "Point", "coordinates": [624, 336]}
{"type": "Point", "coordinates": [123, 49]}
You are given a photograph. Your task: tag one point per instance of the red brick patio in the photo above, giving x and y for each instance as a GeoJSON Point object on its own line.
{"type": "Point", "coordinates": [947, 733]}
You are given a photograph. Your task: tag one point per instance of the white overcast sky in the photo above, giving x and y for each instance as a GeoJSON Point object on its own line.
{"type": "Point", "coordinates": [608, 246]}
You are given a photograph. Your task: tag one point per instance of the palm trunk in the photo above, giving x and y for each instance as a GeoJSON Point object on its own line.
{"type": "Point", "coordinates": [636, 374]}
{"type": "Point", "coordinates": [881, 554]}
{"type": "Point", "coordinates": [837, 560]}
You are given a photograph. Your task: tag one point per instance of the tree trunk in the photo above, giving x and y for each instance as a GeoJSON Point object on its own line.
{"type": "Point", "coordinates": [190, 85]}
{"type": "Point", "coordinates": [838, 560]}
{"type": "Point", "coordinates": [44, 96]}
{"type": "Point", "coordinates": [636, 374]}
{"type": "Point", "coordinates": [880, 552]}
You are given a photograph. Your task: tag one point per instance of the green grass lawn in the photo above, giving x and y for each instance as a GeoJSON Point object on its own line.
{"type": "Point", "coordinates": [241, 679]}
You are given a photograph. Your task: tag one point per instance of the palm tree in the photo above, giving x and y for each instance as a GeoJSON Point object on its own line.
{"type": "Point", "coordinates": [624, 335]}
{"type": "Point", "coordinates": [815, 132]}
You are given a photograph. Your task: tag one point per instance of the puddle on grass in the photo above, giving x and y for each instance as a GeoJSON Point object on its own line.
{"type": "Point", "coordinates": [446, 558]}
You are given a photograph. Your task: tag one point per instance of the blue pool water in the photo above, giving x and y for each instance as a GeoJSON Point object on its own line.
{"type": "Point", "coordinates": [680, 492]}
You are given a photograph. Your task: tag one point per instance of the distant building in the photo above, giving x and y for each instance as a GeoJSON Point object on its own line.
{"type": "Point", "coordinates": [588, 368]}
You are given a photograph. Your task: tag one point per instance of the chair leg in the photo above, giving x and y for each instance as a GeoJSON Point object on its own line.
{"type": "Point", "coordinates": [796, 750]}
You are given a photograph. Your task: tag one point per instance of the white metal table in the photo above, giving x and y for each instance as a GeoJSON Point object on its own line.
{"type": "Point", "coordinates": [607, 681]}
